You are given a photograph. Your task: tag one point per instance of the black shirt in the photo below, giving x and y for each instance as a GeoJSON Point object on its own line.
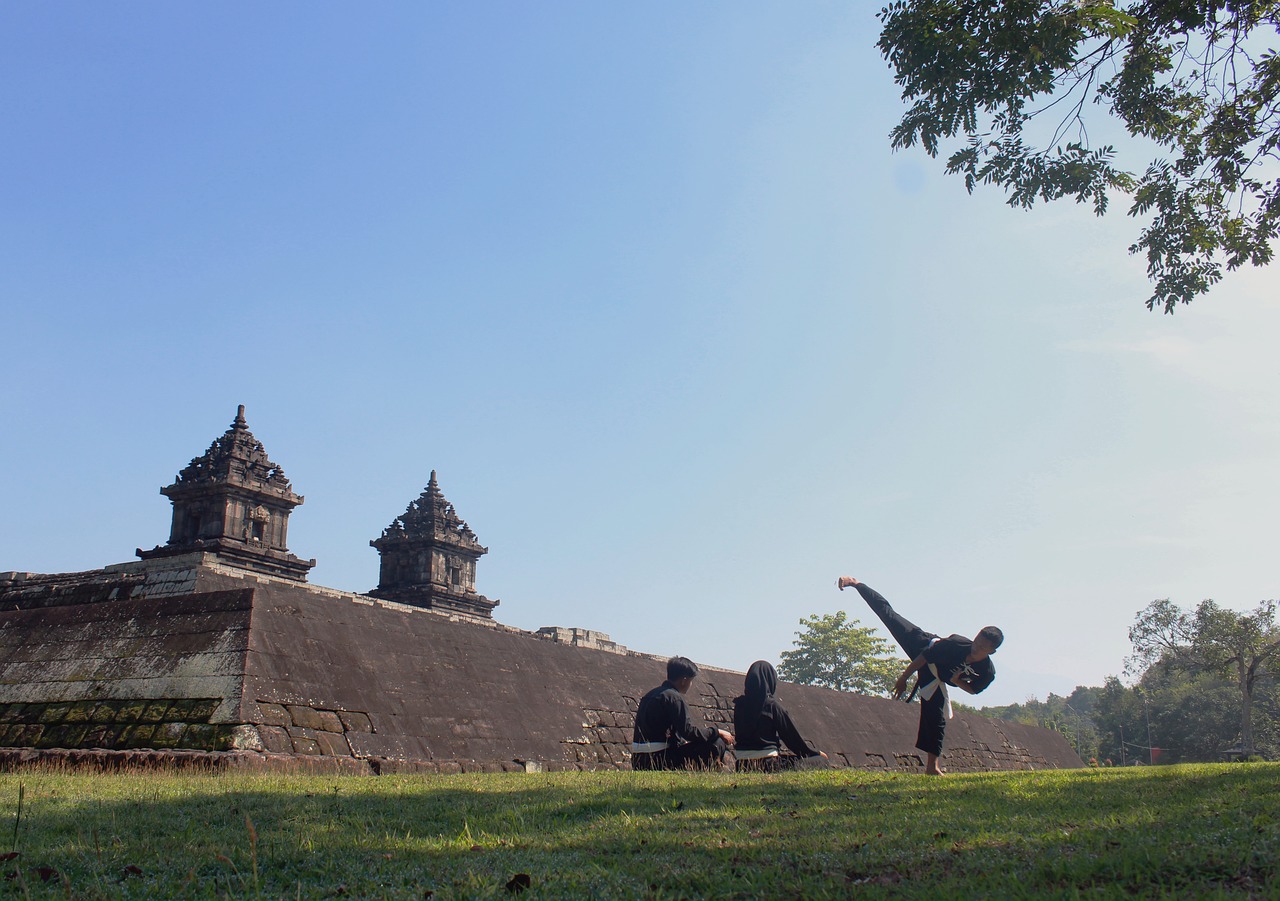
{"type": "Point", "coordinates": [948, 654]}
{"type": "Point", "coordinates": [664, 716]}
{"type": "Point", "coordinates": [768, 729]}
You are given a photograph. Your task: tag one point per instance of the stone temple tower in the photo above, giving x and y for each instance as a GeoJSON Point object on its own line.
{"type": "Point", "coordinates": [429, 558]}
{"type": "Point", "coordinates": [234, 502]}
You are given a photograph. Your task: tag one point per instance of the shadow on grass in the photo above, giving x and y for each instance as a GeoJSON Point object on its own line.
{"type": "Point", "coordinates": [1177, 830]}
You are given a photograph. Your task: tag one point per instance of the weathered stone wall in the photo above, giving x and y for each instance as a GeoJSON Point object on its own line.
{"type": "Point", "coordinates": [131, 673]}
{"type": "Point", "coordinates": [287, 670]}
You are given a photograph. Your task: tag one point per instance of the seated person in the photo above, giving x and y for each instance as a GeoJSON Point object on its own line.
{"type": "Point", "coordinates": [762, 727]}
{"type": "Point", "coordinates": [664, 738]}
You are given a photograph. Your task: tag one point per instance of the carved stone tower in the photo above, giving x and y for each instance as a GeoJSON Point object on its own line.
{"type": "Point", "coordinates": [234, 502]}
{"type": "Point", "coordinates": [429, 558]}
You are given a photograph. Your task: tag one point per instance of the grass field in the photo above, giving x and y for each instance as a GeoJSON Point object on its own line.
{"type": "Point", "coordinates": [1180, 832]}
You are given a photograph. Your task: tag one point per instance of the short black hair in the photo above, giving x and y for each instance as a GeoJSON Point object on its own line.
{"type": "Point", "coordinates": [681, 668]}
{"type": "Point", "coordinates": [993, 635]}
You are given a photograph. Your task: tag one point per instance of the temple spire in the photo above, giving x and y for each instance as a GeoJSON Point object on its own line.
{"type": "Point", "coordinates": [235, 502]}
{"type": "Point", "coordinates": [428, 558]}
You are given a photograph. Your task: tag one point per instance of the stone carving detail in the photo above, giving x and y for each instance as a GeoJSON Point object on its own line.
{"type": "Point", "coordinates": [235, 502]}
{"type": "Point", "coordinates": [428, 558]}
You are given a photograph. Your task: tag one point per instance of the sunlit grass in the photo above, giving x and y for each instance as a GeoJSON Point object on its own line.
{"type": "Point", "coordinates": [1189, 831]}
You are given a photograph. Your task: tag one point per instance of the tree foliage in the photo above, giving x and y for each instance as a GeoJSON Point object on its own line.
{"type": "Point", "coordinates": [1196, 80]}
{"type": "Point", "coordinates": [835, 652]}
{"type": "Point", "coordinates": [1205, 684]}
{"type": "Point", "coordinates": [1241, 648]}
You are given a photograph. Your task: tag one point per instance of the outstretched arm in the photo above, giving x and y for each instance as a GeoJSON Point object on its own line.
{"type": "Point", "coordinates": [900, 687]}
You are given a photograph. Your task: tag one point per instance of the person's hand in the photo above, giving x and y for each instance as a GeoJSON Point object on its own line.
{"type": "Point", "coordinates": [728, 739]}
{"type": "Point", "coordinates": [900, 687]}
{"type": "Point", "coordinates": [846, 582]}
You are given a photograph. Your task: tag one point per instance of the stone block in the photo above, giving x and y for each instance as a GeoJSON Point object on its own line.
{"type": "Point", "coordinates": [276, 739]}
{"type": "Point", "coordinates": [29, 736]}
{"type": "Point", "coordinates": [30, 714]}
{"type": "Point", "coordinates": [273, 715]}
{"type": "Point", "coordinates": [137, 736]}
{"type": "Point", "coordinates": [105, 712]}
{"type": "Point", "coordinates": [80, 712]}
{"type": "Point", "coordinates": [131, 711]}
{"type": "Point", "coordinates": [54, 713]}
{"type": "Point", "coordinates": [448, 766]}
{"type": "Point", "coordinates": [199, 736]}
{"type": "Point", "coordinates": [353, 721]}
{"type": "Point", "coordinates": [304, 745]}
{"type": "Point", "coordinates": [98, 736]}
{"type": "Point", "coordinates": [310, 718]}
{"type": "Point", "coordinates": [168, 735]}
{"type": "Point", "coordinates": [155, 712]}
{"type": "Point", "coordinates": [191, 710]}
{"type": "Point", "coordinates": [63, 735]}
{"type": "Point", "coordinates": [333, 744]}
{"type": "Point", "coordinates": [329, 721]}
{"type": "Point", "coordinates": [11, 713]}
{"type": "Point", "coordinates": [243, 738]}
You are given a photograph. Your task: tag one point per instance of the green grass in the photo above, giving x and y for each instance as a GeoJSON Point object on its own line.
{"type": "Point", "coordinates": [1189, 831]}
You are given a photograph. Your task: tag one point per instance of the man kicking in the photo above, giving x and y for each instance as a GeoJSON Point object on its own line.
{"type": "Point", "coordinates": [940, 662]}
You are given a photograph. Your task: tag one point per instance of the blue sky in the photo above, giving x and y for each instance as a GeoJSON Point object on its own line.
{"type": "Point", "coordinates": [683, 339]}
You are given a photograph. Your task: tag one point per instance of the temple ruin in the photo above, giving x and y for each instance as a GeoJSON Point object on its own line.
{"type": "Point", "coordinates": [215, 648]}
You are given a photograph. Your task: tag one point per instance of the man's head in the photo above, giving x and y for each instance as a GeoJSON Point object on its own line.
{"type": "Point", "coordinates": [681, 671]}
{"type": "Point", "coordinates": [986, 641]}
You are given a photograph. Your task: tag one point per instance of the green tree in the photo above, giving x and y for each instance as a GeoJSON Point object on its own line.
{"type": "Point", "coordinates": [834, 651]}
{"type": "Point", "coordinates": [1243, 648]}
{"type": "Point", "coordinates": [1195, 78]}
{"type": "Point", "coordinates": [1121, 717]}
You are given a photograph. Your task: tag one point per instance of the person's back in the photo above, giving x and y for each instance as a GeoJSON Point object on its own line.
{"type": "Point", "coordinates": [762, 726]}
{"type": "Point", "coordinates": [664, 738]}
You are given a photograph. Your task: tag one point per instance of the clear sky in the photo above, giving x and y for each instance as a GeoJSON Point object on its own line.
{"type": "Point", "coordinates": [683, 339]}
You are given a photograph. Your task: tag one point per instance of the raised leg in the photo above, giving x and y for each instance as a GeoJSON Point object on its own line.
{"type": "Point", "coordinates": [910, 637]}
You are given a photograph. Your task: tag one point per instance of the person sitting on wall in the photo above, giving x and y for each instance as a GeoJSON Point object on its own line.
{"type": "Point", "coordinates": [762, 727]}
{"type": "Point", "coordinates": [664, 737]}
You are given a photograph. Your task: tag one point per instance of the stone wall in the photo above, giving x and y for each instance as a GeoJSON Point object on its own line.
{"type": "Point", "coordinates": [200, 656]}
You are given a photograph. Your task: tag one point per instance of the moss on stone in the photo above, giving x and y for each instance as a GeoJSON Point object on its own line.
{"type": "Point", "coordinates": [156, 712]}
{"type": "Point", "coordinates": [199, 736]}
{"type": "Point", "coordinates": [54, 713]}
{"type": "Point", "coordinates": [131, 712]}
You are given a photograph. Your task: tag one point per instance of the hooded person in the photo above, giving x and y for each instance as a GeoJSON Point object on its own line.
{"type": "Point", "coordinates": [762, 727]}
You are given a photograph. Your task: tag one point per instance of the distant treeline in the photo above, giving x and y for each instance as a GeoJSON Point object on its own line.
{"type": "Point", "coordinates": [1168, 716]}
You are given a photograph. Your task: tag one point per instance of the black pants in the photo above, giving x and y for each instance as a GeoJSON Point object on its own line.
{"type": "Point", "coordinates": [913, 640]}
{"type": "Point", "coordinates": [694, 755]}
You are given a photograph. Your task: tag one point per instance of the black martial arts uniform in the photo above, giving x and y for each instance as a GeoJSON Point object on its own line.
{"type": "Point", "coordinates": [663, 719]}
{"type": "Point", "coordinates": [761, 726]}
{"type": "Point", "coordinates": [945, 658]}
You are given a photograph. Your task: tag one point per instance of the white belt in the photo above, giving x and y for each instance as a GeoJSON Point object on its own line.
{"type": "Point", "coordinates": [648, 747]}
{"type": "Point", "coordinates": [935, 686]}
{"type": "Point", "coordinates": [755, 755]}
